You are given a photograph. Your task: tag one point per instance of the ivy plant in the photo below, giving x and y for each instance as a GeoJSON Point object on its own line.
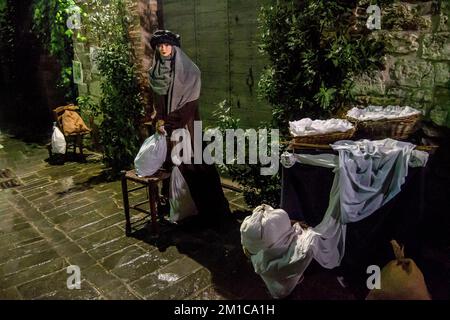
{"type": "Point", "coordinates": [256, 188]}
{"type": "Point", "coordinates": [121, 106]}
{"type": "Point", "coordinates": [50, 25]}
{"type": "Point", "coordinates": [313, 57]}
{"type": "Point", "coordinates": [8, 61]}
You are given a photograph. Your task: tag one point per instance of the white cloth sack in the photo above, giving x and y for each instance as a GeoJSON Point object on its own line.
{"type": "Point", "coordinates": [181, 203]}
{"type": "Point", "coordinates": [151, 156]}
{"type": "Point", "coordinates": [58, 141]}
{"type": "Point", "coordinates": [280, 253]}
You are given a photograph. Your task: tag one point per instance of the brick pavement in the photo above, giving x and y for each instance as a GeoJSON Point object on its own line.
{"type": "Point", "coordinates": [69, 215]}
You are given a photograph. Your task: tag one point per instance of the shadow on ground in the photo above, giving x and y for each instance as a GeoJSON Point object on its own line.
{"type": "Point", "coordinates": [218, 248]}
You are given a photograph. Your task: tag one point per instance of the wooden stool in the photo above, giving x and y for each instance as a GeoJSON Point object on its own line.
{"type": "Point", "coordinates": [151, 183]}
{"type": "Point", "coordinates": [73, 140]}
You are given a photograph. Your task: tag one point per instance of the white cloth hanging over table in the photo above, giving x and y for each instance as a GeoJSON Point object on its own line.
{"type": "Point", "coordinates": [367, 175]}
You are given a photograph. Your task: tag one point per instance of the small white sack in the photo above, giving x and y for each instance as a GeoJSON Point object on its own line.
{"type": "Point", "coordinates": [58, 141]}
{"type": "Point", "coordinates": [151, 156]}
{"type": "Point", "coordinates": [181, 203]}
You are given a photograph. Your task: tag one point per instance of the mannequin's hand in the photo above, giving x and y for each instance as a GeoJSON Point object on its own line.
{"type": "Point", "coordinates": [161, 130]}
{"type": "Point", "coordinates": [160, 127]}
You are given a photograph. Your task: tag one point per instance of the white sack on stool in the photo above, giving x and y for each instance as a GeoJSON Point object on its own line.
{"type": "Point", "coordinates": [151, 156]}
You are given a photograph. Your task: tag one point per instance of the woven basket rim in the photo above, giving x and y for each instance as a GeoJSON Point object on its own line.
{"type": "Point", "coordinates": [328, 134]}
{"type": "Point", "coordinates": [411, 117]}
{"type": "Point", "coordinates": [325, 137]}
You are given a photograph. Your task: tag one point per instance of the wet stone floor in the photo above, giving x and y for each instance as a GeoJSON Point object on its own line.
{"type": "Point", "coordinates": [55, 216]}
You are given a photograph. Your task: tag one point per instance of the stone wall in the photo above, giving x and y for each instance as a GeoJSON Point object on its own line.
{"type": "Point", "coordinates": [417, 38]}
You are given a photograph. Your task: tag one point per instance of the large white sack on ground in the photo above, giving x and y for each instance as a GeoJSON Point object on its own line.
{"type": "Point", "coordinates": [181, 203]}
{"type": "Point", "coordinates": [280, 252]}
{"type": "Point", "coordinates": [151, 156]}
{"type": "Point", "coordinates": [58, 141]}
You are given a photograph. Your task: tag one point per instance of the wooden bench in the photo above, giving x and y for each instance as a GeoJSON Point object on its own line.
{"type": "Point", "coordinates": [72, 140]}
{"type": "Point", "coordinates": [151, 184]}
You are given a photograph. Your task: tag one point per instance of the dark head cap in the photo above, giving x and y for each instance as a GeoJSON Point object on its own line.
{"type": "Point", "coordinates": [165, 36]}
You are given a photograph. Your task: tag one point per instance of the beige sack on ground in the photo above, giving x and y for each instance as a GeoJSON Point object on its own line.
{"type": "Point", "coordinates": [72, 123]}
{"type": "Point", "coordinates": [401, 279]}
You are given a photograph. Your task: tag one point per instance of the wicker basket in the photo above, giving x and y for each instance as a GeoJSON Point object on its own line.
{"type": "Point", "coordinates": [325, 138]}
{"type": "Point", "coordinates": [398, 128]}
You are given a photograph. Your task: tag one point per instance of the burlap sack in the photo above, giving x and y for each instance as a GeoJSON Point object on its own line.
{"type": "Point", "coordinates": [72, 123]}
{"type": "Point", "coordinates": [401, 279]}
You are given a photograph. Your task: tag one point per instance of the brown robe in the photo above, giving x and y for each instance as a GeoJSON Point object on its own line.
{"type": "Point", "coordinates": [203, 180]}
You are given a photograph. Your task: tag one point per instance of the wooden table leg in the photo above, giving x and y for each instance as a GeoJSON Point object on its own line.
{"type": "Point", "coordinates": [80, 146]}
{"type": "Point", "coordinates": [126, 205]}
{"type": "Point", "coordinates": [153, 198]}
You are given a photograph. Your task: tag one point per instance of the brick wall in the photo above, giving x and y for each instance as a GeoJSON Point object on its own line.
{"type": "Point", "coordinates": [143, 24]}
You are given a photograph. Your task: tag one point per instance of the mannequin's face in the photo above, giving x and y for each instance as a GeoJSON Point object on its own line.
{"type": "Point", "coordinates": [165, 49]}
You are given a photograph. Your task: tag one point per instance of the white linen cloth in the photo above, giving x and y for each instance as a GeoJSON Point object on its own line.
{"type": "Point", "coordinates": [307, 127]}
{"type": "Point", "coordinates": [380, 112]}
{"type": "Point", "coordinates": [367, 175]}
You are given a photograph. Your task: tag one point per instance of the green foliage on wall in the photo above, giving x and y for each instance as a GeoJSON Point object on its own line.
{"type": "Point", "coordinates": [400, 17]}
{"type": "Point", "coordinates": [121, 106]}
{"type": "Point", "coordinates": [7, 33]}
{"type": "Point", "coordinates": [314, 57]}
{"type": "Point", "coordinates": [50, 25]}
{"type": "Point", "coordinates": [257, 189]}
{"type": "Point", "coordinates": [8, 60]}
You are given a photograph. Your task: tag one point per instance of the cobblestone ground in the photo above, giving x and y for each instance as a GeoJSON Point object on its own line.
{"type": "Point", "coordinates": [69, 215]}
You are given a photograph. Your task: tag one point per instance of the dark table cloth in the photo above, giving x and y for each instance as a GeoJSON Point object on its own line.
{"type": "Point", "coordinates": [305, 196]}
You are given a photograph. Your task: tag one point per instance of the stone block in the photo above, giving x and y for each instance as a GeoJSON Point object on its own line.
{"type": "Point", "coordinates": [436, 46]}
{"type": "Point", "coordinates": [405, 16]}
{"type": "Point", "coordinates": [95, 88]}
{"type": "Point", "coordinates": [442, 74]}
{"type": "Point", "coordinates": [370, 85]}
{"type": "Point", "coordinates": [419, 95]}
{"type": "Point", "coordinates": [83, 89]}
{"type": "Point", "coordinates": [442, 96]}
{"type": "Point", "coordinates": [412, 73]}
{"type": "Point", "coordinates": [79, 48]}
{"type": "Point", "coordinates": [424, 8]}
{"type": "Point", "coordinates": [440, 23]}
{"type": "Point", "coordinates": [384, 101]}
{"type": "Point", "coordinates": [407, 93]}
{"type": "Point", "coordinates": [439, 116]}
{"type": "Point", "coordinates": [445, 10]}
{"type": "Point", "coordinates": [402, 42]}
